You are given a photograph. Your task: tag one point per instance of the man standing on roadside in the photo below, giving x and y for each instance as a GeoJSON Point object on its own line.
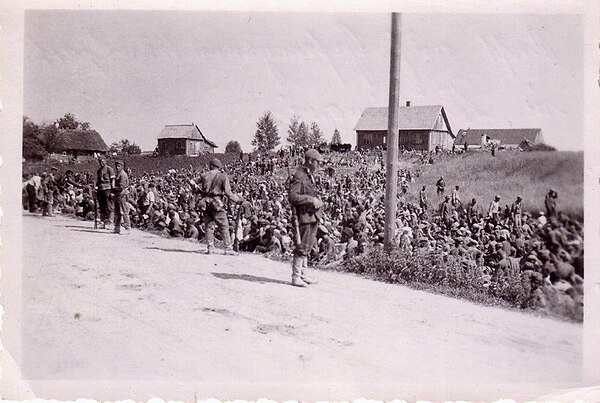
{"type": "Point", "coordinates": [120, 191]}
{"type": "Point", "coordinates": [305, 211]}
{"type": "Point", "coordinates": [104, 183]}
{"type": "Point", "coordinates": [49, 187]}
{"type": "Point", "coordinates": [32, 187]}
{"type": "Point", "coordinates": [215, 186]}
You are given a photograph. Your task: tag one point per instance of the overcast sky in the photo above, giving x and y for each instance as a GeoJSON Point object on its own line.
{"type": "Point", "coordinates": [131, 72]}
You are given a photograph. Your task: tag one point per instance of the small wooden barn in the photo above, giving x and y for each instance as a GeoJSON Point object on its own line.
{"type": "Point", "coordinates": [79, 144]}
{"type": "Point", "coordinates": [183, 140]}
{"type": "Point", "coordinates": [506, 138]}
{"type": "Point", "coordinates": [420, 128]}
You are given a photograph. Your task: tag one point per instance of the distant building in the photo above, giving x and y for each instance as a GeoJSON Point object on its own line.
{"type": "Point", "coordinates": [79, 145]}
{"type": "Point", "coordinates": [184, 140]}
{"type": "Point", "coordinates": [507, 138]}
{"type": "Point", "coordinates": [420, 128]}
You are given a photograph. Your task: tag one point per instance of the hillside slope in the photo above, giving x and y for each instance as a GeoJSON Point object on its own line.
{"type": "Point", "coordinates": [509, 174]}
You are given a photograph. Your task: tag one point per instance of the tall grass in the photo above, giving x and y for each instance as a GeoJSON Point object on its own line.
{"type": "Point", "coordinates": [509, 174]}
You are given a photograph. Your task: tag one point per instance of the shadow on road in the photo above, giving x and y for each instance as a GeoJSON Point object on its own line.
{"type": "Point", "coordinates": [93, 231]}
{"type": "Point", "coordinates": [79, 226]}
{"type": "Point", "coordinates": [176, 250]}
{"type": "Point", "coordinates": [248, 277]}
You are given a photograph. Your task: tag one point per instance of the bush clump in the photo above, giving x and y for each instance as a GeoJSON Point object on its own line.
{"type": "Point", "coordinates": [447, 274]}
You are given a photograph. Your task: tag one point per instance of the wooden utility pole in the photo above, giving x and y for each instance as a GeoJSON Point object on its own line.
{"type": "Point", "coordinates": [391, 179]}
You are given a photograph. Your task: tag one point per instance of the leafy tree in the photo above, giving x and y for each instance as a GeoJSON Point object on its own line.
{"type": "Point", "coordinates": [337, 139]}
{"type": "Point", "coordinates": [124, 146]}
{"type": "Point", "coordinates": [50, 137]}
{"type": "Point", "coordinates": [69, 122]}
{"type": "Point", "coordinates": [303, 135]}
{"type": "Point", "coordinates": [297, 132]}
{"type": "Point", "coordinates": [233, 147]}
{"type": "Point", "coordinates": [32, 146]}
{"type": "Point", "coordinates": [292, 130]}
{"type": "Point", "coordinates": [315, 136]}
{"type": "Point", "coordinates": [266, 137]}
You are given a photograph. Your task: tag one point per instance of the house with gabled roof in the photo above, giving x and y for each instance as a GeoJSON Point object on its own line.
{"type": "Point", "coordinates": [79, 144]}
{"type": "Point", "coordinates": [506, 138]}
{"type": "Point", "coordinates": [184, 140]}
{"type": "Point", "coordinates": [420, 128]}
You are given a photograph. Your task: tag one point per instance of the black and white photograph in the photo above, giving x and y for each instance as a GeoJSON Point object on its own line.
{"type": "Point", "coordinates": [299, 204]}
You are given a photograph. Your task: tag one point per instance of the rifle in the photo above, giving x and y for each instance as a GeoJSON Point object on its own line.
{"type": "Point", "coordinates": [236, 243]}
{"type": "Point", "coordinates": [294, 218]}
{"type": "Point", "coordinates": [96, 210]}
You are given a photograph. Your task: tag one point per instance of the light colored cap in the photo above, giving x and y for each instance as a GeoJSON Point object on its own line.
{"type": "Point", "coordinates": [216, 163]}
{"type": "Point", "coordinates": [313, 155]}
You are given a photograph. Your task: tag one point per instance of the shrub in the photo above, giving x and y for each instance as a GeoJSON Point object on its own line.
{"type": "Point", "coordinates": [447, 275]}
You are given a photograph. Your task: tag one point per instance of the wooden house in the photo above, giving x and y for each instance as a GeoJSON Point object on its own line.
{"type": "Point", "coordinates": [505, 138]}
{"type": "Point", "coordinates": [420, 128]}
{"type": "Point", "coordinates": [183, 140]}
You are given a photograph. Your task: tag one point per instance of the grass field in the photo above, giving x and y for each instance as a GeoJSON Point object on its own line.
{"type": "Point", "coordinates": [509, 174]}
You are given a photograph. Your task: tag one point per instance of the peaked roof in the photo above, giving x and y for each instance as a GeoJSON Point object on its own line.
{"type": "Point", "coordinates": [506, 136]}
{"type": "Point", "coordinates": [409, 118]}
{"type": "Point", "coordinates": [85, 140]}
{"type": "Point", "coordinates": [191, 132]}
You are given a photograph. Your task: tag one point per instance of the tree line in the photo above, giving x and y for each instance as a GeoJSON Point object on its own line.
{"type": "Point", "coordinates": [299, 135]}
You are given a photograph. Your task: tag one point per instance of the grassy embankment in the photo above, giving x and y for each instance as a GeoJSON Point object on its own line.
{"type": "Point", "coordinates": [509, 174]}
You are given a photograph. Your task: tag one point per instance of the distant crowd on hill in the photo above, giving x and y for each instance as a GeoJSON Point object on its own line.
{"type": "Point", "coordinates": [495, 238]}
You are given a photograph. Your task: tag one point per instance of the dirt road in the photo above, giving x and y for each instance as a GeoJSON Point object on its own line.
{"type": "Point", "coordinates": [99, 307]}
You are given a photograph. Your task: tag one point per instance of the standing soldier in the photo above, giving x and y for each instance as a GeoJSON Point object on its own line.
{"type": "Point", "coordinates": [120, 191]}
{"type": "Point", "coordinates": [49, 187]}
{"type": "Point", "coordinates": [516, 211]}
{"type": "Point", "coordinates": [215, 186]}
{"type": "Point", "coordinates": [441, 186]}
{"type": "Point", "coordinates": [305, 210]}
{"type": "Point", "coordinates": [104, 182]}
{"type": "Point", "coordinates": [423, 199]}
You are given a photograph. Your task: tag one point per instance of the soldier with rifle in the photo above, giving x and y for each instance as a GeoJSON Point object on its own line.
{"type": "Point", "coordinates": [306, 213]}
{"type": "Point", "coordinates": [215, 187]}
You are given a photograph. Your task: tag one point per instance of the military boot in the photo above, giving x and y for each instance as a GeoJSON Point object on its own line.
{"type": "Point", "coordinates": [303, 275]}
{"type": "Point", "coordinates": [297, 272]}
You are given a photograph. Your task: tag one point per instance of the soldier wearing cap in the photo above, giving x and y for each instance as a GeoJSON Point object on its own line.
{"type": "Point", "coordinates": [104, 183]}
{"type": "Point", "coordinates": [120, 190]}
{"type": "Point", "coordinates": [215, 186]}
{"type": "Point", "coordinates": [306, 208]}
